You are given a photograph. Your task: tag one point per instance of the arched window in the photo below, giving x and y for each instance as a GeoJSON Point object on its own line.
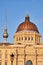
{"type": "Point", "coordinates": [0, 63]}
{"type": "Point", "coordinates": [29, 62]}
{"type": "Point", "coordinates": [22, 38]}
{"type": "Point", "coordinates": [25, 38]}
{"type": "Point", "coordinates": [17, 39]}
{"type": "Point", "coordinates": [31, 38]}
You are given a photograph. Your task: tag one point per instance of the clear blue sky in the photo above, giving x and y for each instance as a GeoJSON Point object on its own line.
{"type": "Point", "coordinates": [16, 11]}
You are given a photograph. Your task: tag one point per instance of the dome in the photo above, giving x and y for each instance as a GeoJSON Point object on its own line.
{"type": "Point", "coordinates": [27, 25]}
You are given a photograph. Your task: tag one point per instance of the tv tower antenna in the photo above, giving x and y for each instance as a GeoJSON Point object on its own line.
{"type": "Point", "coordinates": [5, 35]}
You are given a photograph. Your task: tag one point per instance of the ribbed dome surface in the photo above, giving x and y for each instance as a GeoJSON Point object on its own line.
{"type": "Point", "coordinates": [27, 25]}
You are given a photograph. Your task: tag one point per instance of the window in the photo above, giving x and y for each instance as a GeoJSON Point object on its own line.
{"type": "Point", "coordinates": [5, 62]}
{"type": "Point", "coordinates": [0, 63]}
{"type": "Point", "coordinates": [31, 38]}
{"type": "Point", "coordinates": [19, 43]}
{"type": "Point", "coordinates": [22, 38]}
{"type": "Point", "coordinates": [17, 39]}
{"type": "Point", "coordinates": [11, 62]}
{"type": "Point", "coordinates": [29, 62]}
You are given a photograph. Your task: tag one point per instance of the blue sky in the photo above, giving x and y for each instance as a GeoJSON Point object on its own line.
{"type": "Point", "coordinates": [16, 11]}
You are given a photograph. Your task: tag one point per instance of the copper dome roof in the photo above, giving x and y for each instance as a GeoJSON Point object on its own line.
{"type": "Point", "coordinates": [27, 25]}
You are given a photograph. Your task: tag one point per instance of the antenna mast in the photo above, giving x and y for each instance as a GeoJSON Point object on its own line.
{"type": "Point", "coordinates": [5, 35]}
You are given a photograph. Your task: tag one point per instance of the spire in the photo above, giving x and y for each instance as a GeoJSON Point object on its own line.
{"type": "Point", "coordinates": [5, 35]}
{"type": "Point", "coordinates": [27, 18]}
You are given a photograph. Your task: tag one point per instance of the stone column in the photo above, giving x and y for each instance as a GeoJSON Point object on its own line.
{"type": "Point", "coordinates": [24, 57]}
{"type": "Point", "coordinates": [36, 57]}
{"type": "Point", "coordinates": [16, 57]}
